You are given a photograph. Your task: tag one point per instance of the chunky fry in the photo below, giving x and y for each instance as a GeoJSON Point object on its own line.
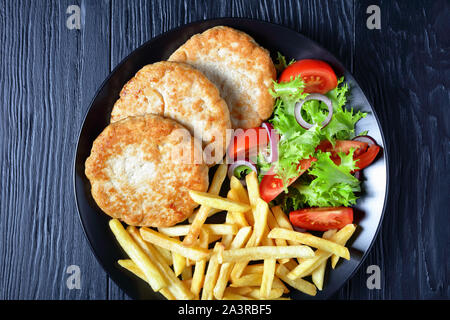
{"type": "Point", "coordinates": [310, 240]}
{"type": "Point", "coordinates": [265, 252]}
{"type": "Point", "coordinates": [203, 212]}
{"type": "Point", "coordinates": [213, 201]}
{"type": "Point", "coordinates": [193, 253]}
{"type": "Point", "coordinates": [134, 251]}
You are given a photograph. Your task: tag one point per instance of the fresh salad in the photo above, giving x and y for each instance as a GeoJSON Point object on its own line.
{"type": "Point", "coordinates": [307, 156]}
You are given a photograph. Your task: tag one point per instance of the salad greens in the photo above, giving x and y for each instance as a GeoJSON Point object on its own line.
{"type": "Point", "coordinates": [326, 184]}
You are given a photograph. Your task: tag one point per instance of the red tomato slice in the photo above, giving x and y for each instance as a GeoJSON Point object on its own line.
{"type": "Point", "coordinates": [365, 159]}
{"type": "Point", "coordinates": [246, 140]}
{"type": "Point", "coordinates": [321, 219]}
{"type": "Point", "coordinates": [318, 75]}
{"type": "Point", "coordinates": [271, 186]}
{"type": "Point", "coordinates": [343, 146]}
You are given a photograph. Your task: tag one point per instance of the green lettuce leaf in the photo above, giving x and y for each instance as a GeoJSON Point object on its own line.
{"type": "Point", "coordinates": [333, 185]}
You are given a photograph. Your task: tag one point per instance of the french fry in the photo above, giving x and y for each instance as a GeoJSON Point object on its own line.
{"type": "Point", "coordinates": [309, 265]}
{"type": "Point", "coordinates": [213, 201]}
{"type": "Point", "coordinates": [129, 265]}
{"type": "Point", "coordinates": [240, 290]}
{"type": "Point", "coordinates": [272, 223]}
{"type": "Point", "coordinates": [318, 275]}
{"type": "Point", "coordinates": [235, 296]}
{"type": "Point", "coordinates": [260, 214]}
{"type": "Point", "coordinates": [134, 251]}
{"type": "Point", "coordinates": [174, 245]}
{"type": "Point", "coordinates": [213, 229]}
{"type": "Point", "coordinates": [225, 269]}
{"type": "Point", "coordinates": [175, 286]}
{"type": "Point", "coordinates": [254, 280]}
{"type": "Point", "coordinates": [200, 266]}
{"type": "Point", "coordinates": [254, 268]}
{"type": "Point", "coordinates": [212, 273]}
{"type": "Point", "coordinates": [265, 252]}
{"type": "Point", "coordinates": [210, 213]}
{"type": "Point", "coordinates": [237, 186]}
{"type": "Point", "coordinates": [273, 293]}
{"type": "Point", "coordinates": [238, 217]}
{"type": "Point", "coordinates": [166, 254]}
{"type": "Point", "coordinates": [268, 274]}
{"type": "Point", "coordinates": [310, 240]}
{"type": "Point", "coordinates": [203, 212]}
{"type": "Point", "coordinates": [178, 261]}
{"type": "Point", "coordinates": [252, 188]}
{"type": "Point", "coordinates": [187, 274]}
{"type": "Point", "coordinates": [299, 284]}
{"type": "Point", "coordinates": [335, 258]}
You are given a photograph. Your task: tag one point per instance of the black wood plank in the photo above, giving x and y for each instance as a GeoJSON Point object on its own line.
{"type": "Point", "coordinates": [404, 70]}
{"type": "Point", "coordinates": [48, 74]}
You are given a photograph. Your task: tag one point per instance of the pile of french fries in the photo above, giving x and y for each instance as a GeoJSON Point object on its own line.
{"type": "Point", "coordinates": [254, 254]}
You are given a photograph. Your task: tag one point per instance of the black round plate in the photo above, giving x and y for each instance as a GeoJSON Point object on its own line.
{"type": "Point", "coordinates": [370, 207]}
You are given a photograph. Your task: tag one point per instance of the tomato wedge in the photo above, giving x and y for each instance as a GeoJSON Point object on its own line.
{"type": "Point", "coordinates": [318, 75]}
{"type": "Point", "coordinates": [247, 140]}
{"type": "Point", "coordinates": [321, 219]}
{"type": "Point", "coordinates": [343, 146]}
{"type": "Point", "coordinates": [365, 159]}
{"type": "Point", "coordinates": [271, 186]}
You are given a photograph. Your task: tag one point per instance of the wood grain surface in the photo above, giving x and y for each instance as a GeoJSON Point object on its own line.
{"type": "Point", "coordinates": [49, 74]}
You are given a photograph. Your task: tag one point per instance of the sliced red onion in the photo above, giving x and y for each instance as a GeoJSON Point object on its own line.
{"type": "Point", "coordinates": [313, 96]}
{"type": "Point", "coordinates": [273, 142]}
{"type": "Point", "coordinates": [298, 229]}
{"type": "Point", "coordinates": [357, 175]}
{"type": "Point", "coordinates": [368, 139]}
{"type": "Point", "coordinates": [239, 163]}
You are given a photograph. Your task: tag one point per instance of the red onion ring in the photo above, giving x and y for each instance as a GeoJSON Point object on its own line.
{"type": "Point", "coordinates": [357, 175]}
{"type": "Point", "coordinates": [273, 142]}
{"type": "Point", "coordinates": [313, 96]}
{"type": "Point", "coordinates": [239, 163]}
{"type": "Point", "coordinates": [368, 139]}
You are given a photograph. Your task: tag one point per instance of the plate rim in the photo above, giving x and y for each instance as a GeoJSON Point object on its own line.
{"type": "Point", "coordinates": [217, 21]}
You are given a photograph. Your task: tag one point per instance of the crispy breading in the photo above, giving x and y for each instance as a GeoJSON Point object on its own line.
{"type": "Point", "coordinates": [241, 69]}
{"type": "Point", "coordinates": [141, 169]}
{"type": "Point", "coordinates": [180, 92]}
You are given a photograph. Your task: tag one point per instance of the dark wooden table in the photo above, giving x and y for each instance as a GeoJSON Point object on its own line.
{"type": "Point", "coordinates": [49, 74]}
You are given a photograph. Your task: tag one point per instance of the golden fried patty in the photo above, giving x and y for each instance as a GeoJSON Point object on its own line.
{"type": "Point", "coordinates": [141, 169]}
{"type": "Point", "coordinates": [180, 92]}
{"type": "Point", "coordinates": [241, 69]}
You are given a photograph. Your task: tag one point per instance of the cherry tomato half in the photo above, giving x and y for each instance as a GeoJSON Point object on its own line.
{"type": "Point", "coordinates": [271, 186]}
{"type": "Point", "coordinates": [321, 219]}
{"type": "Point", "coordinates": [318, 75]}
